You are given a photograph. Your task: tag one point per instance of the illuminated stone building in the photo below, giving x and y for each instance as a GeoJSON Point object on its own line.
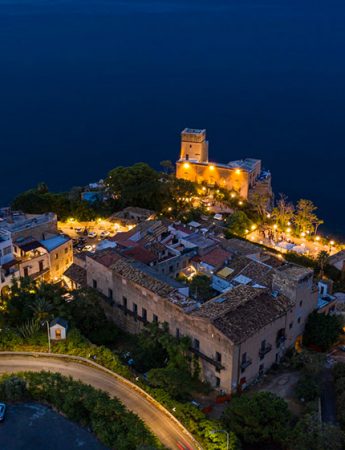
{"type": "Point", "coordinates": [243, 176]}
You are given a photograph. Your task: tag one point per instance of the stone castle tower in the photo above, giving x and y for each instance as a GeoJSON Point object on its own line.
{"type": "Point", "coordinates": [194, 146]}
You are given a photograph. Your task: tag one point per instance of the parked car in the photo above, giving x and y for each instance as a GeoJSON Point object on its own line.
{"type": "Point", "coordinates": [88, 248]}
{"type": "Point", "coordinates": [104, 234]}
{"type": "Point", "coordinates": [78, 230]}
{"type": "Point", "coordinates": [2, 411]}
{"type": "Point", "coordinates": [92, 234]}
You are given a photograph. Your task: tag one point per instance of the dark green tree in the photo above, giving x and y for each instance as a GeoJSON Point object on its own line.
{"type": "Point", "coordinates": [239, 223]}
{"type": "Point", "coordinates": [322, 331]}
{"type": "Point", "coordinates": [137, 185]}
{"type": "Point", "coordinates": [200, 287]}
{"type": "Point", "coordinates": [262, 418]}
{"type": "Point", "coordinates": [89, 317]}
{"type": "Point", "coordinates": [309, 433]}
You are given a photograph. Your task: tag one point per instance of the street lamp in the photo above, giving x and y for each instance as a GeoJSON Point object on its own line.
{"type": "Point", "coordinates": [227, 436]}
{"type": "Point", "coordinates": [48, 333]}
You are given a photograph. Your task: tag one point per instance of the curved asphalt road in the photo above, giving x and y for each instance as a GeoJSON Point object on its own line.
{"type": "Point", "coordinates": [166, 430]}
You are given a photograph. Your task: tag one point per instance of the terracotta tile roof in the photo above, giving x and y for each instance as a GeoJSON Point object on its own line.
{"type": "Point", "coordinates": [240, 247]}
{"type": "Point", "coordinates": [216, 257]}
{"type": "Point", "coordinates": [122, 236]}
{"type": "Point", "coordinates": [106, 257]}
{"type": "Point", "coordinates": [243, 311]}
{"type": "Point", "coordinates": [133, 272]}
{"type": "Point", "coordinates": [76, 274]}
{"type": "Point", "coordinates": [140, 253]}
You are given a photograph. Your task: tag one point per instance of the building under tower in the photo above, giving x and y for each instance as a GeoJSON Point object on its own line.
{"type": "Point", "coordinates": [244, 176]}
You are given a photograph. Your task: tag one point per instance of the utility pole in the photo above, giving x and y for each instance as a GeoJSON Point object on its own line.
{"type": "Point", "coordinates": [48, 332]}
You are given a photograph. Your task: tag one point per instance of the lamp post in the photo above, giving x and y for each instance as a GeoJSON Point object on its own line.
{"type": "Point", "coordinates": [48, 333]}
{"type": "Point", "coordinates": [227, 436]}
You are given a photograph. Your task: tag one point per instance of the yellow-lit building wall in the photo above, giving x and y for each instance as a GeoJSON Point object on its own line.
{"type": "Point", "coordinates": [228, 178]}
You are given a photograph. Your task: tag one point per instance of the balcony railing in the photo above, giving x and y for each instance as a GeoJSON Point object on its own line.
{"type": "Point", "coordinates": [246, 363]}
{"type": "Point", "coordinates": [264, 350]}
{"type": "Point", "coordinates": [218, 365]}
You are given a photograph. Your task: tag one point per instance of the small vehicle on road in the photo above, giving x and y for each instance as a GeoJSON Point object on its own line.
{"type": "Point", "coordinates": [78, 230]}
{"type": "Point", "coordinates": [2, 411]}
{"type": "Point", "coordinates": [104, 234]}
{"type": "Point", "coordinates": [88, 248]}
{"type": "Point", "coordinates": [92, 234]}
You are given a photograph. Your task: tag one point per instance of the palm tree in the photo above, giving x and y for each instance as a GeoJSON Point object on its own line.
{"type": "Point", "coordinates": [41, 309]}
{"type": "Point", "coordinates": [322, 260]}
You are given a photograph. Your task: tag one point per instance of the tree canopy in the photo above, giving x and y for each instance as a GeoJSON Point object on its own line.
{"type": "Point", "coordinates": [239, 223]}
{"type": "Point", "coordinates": [261, 418]}
{"type": "Point", "coordinates": [322, 331]}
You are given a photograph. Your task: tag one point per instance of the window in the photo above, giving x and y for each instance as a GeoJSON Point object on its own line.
{"type": "Point", "coordinates": [290, 325]}
{"type": "Point", "coordinates": [155, 318]}
{"type": "Point", "coordinates": [218, 357]}
{"type": "Point", "coordinates": [135, 310]}
{"type": "Point", "coordinates": [299, 320]}
{"type": "Point", "coordinates": [66, 250]}
{"type": "Point", "coordinates": [26, 271]}
{"type": "Point", "coordinates": [56, 255]}
{"type": "Point", "coordinates": [171, 268]}
{"type": "Point", "coordinates": [301, 303]}
{"type": "Point", "coordinates": [110, 294]}
{"type": "Point", "coordinates": [144, 315]}
{"type": "Point", "coordinates": [196, 344]}
{"type": "Point", "coordinates": [244, 357]}
{"type": "Point", "coordinates": [41, 266]}
{"type": "Point", "coordinates": [94, 284]}
{"type": "Point", "coordinates": [177, 333]}
{"type": "Point", "coordinates": [217, 382]}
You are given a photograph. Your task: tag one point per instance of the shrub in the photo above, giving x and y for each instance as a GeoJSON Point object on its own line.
{"type": "Point", "coordinates": [307, 388]}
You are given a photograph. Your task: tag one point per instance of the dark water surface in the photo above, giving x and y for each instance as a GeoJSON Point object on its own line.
{"type": "Point", "coordinates": [32, 426]}
{"type": "Point", "coordinates": [86, 85]}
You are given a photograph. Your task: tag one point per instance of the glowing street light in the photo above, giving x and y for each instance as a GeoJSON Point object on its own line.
{"type": "Point", "coordinates": [232, 195]}
{"type": "Point", "coordinates": [253, 227]}
{"type": "Point", "coordinates": [240, 203]}
{"type": "Point", "coordinates": [238, 171]}
{"type": "Point", "coordinates": [211, 167]}
{"type": "Point", "coordinates": [275, 226]}
{"type": "Point", "coordinates": [186, 165]}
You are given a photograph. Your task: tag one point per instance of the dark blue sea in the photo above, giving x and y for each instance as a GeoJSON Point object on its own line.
{"type": "Point", "coordinates": [86, 85]}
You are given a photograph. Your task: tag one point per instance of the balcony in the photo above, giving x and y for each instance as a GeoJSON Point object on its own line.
{"type": "Point", "coordinates": [264, 350]}
{"type": "Point", "coordinates": [246, 363]}
{"type": "Point", "coordinates": [210, 360]}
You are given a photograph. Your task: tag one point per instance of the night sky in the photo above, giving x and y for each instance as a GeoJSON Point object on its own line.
{"type": "Point", "coordinates": [86, 85]}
